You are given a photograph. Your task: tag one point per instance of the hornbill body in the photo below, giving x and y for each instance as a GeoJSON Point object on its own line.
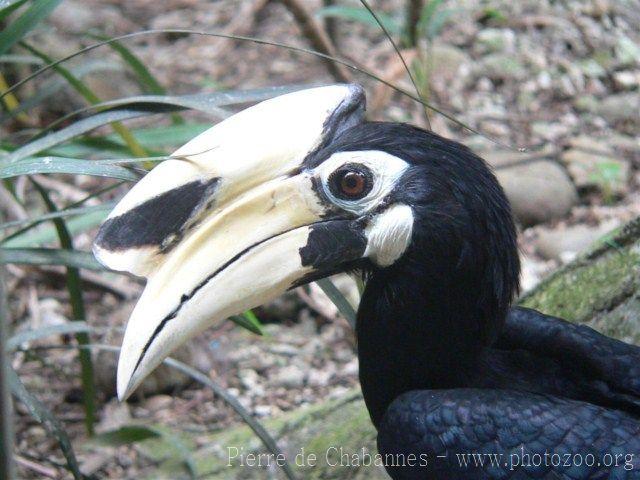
{"type": "Point", "coordinates": [301, 187]}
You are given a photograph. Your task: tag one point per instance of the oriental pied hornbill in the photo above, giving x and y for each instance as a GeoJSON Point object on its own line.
{"type": "Point", "coordinates": [300, 187]}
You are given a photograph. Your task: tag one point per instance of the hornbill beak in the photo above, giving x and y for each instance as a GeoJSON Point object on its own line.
{"type": "Point", "coordinates": [233, 220]}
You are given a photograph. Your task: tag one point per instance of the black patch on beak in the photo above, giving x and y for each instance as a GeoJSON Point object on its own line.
{"type": "Point", "coordinates": [159, 221]}
{"type": "Point", "coordinates": [333, 243]}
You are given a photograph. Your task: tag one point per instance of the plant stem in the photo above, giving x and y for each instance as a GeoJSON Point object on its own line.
{"type": "Point", "coordinates": [413, 10]}
{"type": "Point", "coordinates": [330, 24]}
{"type": "Point", "coordinates": [6, 418]}
{"type": "Point", "coordinates": [74, 286]}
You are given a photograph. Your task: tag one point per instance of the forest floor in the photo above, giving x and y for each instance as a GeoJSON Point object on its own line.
{"type": "Point", "coordinates": [559, 78]}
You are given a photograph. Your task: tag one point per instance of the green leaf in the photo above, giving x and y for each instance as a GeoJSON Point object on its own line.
{"type": "Point", "coordinates": [249, 321]}
{"type": "Point", "coordinates": [46, 235]}
{"type": "Point", "coordinates": [171, 136]}
{"type": "Point", "coordinates": [126, 435]}
{"type": "Point", "coordinates": [76, 298]}
{"type": "Point", "coordinates": [49, 256]}
{"type": "Point", "coordinates": [360, 15]}
{"type": "Point", "coordinates": [53, 86]}
{"type": "Point", "coordinates": [7, 7]}
{"type": "Point", "coordinates": [133, 107]}
{"type": "Point", "coordinates": [36, 334]}
{"type": "Point", "coordinates": [51, 424]}
{"type": "Point", "coordinates": [34, 165]}
{"type": "Point", "coordinates": [339, 300]}
{"type": "Point", "coordinates": [69, 212]}
{"type": "Point", "coordinates": [16, 30]}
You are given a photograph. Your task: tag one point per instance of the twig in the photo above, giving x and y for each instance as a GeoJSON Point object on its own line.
{"type": "Point", "coordinates": [36, 467]}
{"type": "Point", "coordinates": [317, 37]}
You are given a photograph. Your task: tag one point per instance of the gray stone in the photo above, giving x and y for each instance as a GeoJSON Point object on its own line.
{"type": "Point", "coordinates": [445, 62]}
{"type": "Point", "coordinates": [564, 244]}
{"type": "Point", "coordinates": [627, 51]}
{"type": "Point", "coordinates": [491, 40]}
{"type": "Point", "coordinates": [539, 190]}
{"type": "Point", "coordinates": [622, 107]}
{"type": "Point", "coordinates": [593, 164]}
{"type": "Point", "coordinates": [290, 376]}
{"type": "Point", "coordinates": [499, 66]}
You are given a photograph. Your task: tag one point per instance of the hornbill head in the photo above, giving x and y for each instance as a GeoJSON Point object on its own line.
{"type": "Point", "coordinates": [288, 191]}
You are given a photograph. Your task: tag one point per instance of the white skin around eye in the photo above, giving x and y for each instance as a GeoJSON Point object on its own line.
{"type": "Point", "coordinates": [386, 169]}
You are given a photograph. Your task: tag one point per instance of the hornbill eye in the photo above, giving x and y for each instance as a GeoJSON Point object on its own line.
{"type": "Point", "coordinates": [351, 182]}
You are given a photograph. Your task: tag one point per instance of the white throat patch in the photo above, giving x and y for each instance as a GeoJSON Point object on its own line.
{"type": "Point", "coordinates": [389, 234]}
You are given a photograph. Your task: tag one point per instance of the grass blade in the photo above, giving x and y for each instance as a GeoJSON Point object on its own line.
{"type": "Point", "coordinates": [68, 212]}
{"type": "Point", "coordinates": [264, 436]}
{"type": "Point", "coordinates": [145, 77]}
{"type": "Point", "coordinates": [90, 97]}
{"type": "Point", "coordinates": [339, 300]}
{"type": "Point", "coordinates": [34, 165]}
{"type": "Point", "coordinates": [46, 235]}
{"type": "Point", "coordinates": [256, 426]}
{"type": "Point", "coordinates": [78, 128]}
{"type": "Point", "coordinates": [361, 16]}
{"type": "Point", "coordinates": [7, 7]}
{"type": "Point", "coordinates": [53, 86]}
{"type": "Point", "coordinates": [126, 435]}
{"type": "Point", "coordinates": [138, 106]}
{"type": "Point", "coordinates": [17, 29]}
{"type": "Point", "coordinates": [6, 417]}
{"type": "Point", "coordinates": [399, 53]}
{"type": "Point", "coordinates": [249, 321]}
{"type": "Point", "coordinates": [86, 220]}
{"type": "Point", "coordinates": [204, 102]}
{"type": "Point", "coordinates": [260, 41]}
{"type": "Point", "coordinates": [74, 287]}
{"type": "Point", "coordinates": [43, 416]}
{"type": "Point", "coordinates": [30, 335]}
{"type": "Point", "coordinates": [49, 256]}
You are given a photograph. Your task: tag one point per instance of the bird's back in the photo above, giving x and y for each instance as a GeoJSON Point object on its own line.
{"type": "Point", "coordinates": [549, 400]}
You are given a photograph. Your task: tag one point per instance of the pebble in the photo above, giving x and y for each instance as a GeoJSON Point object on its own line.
{"type": "Point", "coordinates": [564, 244]}
{"type": "Point", "coordinates": [539, 190]}
{"type": "Point", "coordinates": [290, 376]}
{"type": "Point", "coordinates": [593, 164]}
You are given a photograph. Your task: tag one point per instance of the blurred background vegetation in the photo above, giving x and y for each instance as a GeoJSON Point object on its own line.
{"type": "Point", "coordinates": [83, 116]}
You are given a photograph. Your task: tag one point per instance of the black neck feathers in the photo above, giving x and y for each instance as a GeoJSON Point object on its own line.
{"type": "Point", "coordinates": [424, 321]}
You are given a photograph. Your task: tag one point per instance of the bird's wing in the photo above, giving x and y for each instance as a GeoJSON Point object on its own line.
{"type": "Point", "coordinates": [609, 365]}
{"type": "Point", "coordinates": [506, 434]}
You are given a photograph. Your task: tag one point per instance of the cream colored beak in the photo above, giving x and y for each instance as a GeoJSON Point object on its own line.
{"type": "Point", "coordinates": [230, 225]}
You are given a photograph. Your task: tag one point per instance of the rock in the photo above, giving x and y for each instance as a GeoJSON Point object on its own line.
{"type": "Point", "coordinates": [550, 131]}
{"type": "Point", "coordinates": [75, 16]}
{"type": "Point", "coordinates": [622, 107]}
{"type": "Point", "coordinates": [627, 51]}
{"type": "Point", "coordinates": [538, 190]}
{"type": "Point", "coordinates": [290, 376]}
{"type": "Point", "coordinates": [319, 378]}
{"type": "Point", "coordinates": [591, 68]}
{"type": "Point", "coordinates": [593, 164]}
{"type": "Point", "coordinates": [499, 66]}
{"type": "Point", "coordinates": [445, 62]}
{"type": "Point", "coordinates": [585, 103]}
{"type": "Point", "coordinates": [627, 79]}
{"type": "Point", "coordinates": [566, 243]}
{"type": "Point", "coordinates": [162, 379]}
{"type": "Point", "coordinates": [491, 40]}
